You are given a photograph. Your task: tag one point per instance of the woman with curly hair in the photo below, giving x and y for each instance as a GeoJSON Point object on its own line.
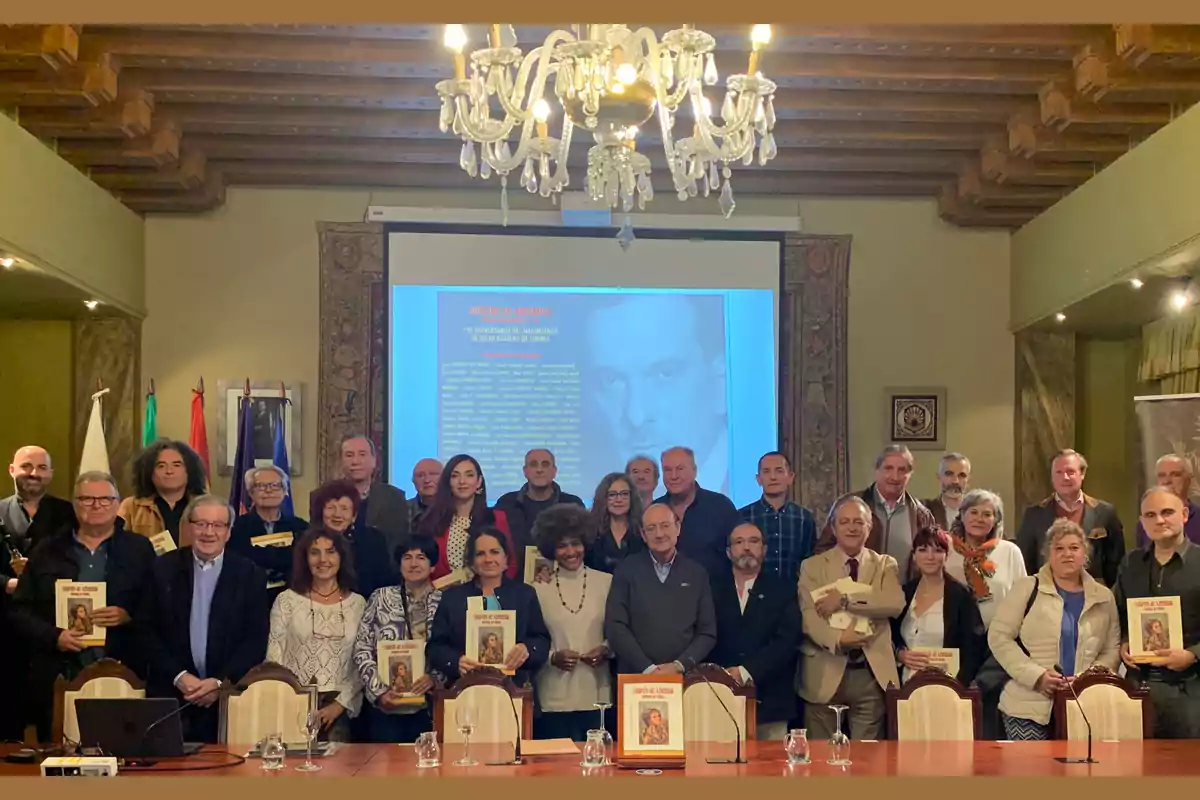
{"type": "Point", "coordinates": [334, 508]}
{"type": "Point", "coordinates": [167, 475]}
{"type": "Point", "coordinates": [617, 511]}
{"type": "Point", "coordinates": [577, 675]}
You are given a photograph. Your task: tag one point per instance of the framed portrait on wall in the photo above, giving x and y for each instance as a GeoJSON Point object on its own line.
{"type": "Point", "coordinates": [266, 402]}
{"type": "Point", "coordinates": [916, 416]}
{"type": "Point", "coordinates": [650, 721]}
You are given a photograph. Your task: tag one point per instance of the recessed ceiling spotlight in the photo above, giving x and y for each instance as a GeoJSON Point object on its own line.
{"type": "Point", "coordinates": [7, 262]}
{"type": "Point", "coordinates": [1179, 300]}
{"type": "Point", "coordinates": [91, 304]}
{"type": "Point", "coordinates": [1060, 317]}
{"type": "Point", "coordinates": [1136, 283]}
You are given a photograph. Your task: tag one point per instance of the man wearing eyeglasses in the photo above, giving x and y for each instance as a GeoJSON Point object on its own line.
{"type": "Point", "coordinates": [210, 620]}
{"type": "Point", "coordinates": [97, 549]}
{"type": "Point", "coordinates": [264, 534]}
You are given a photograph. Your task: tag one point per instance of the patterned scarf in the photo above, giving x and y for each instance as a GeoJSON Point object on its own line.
{"type": "Point", "coordinates": [977, 564]}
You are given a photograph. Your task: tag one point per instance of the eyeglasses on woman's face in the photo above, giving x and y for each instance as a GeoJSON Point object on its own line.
{"type": "Point", "coordinates": [620, 494]}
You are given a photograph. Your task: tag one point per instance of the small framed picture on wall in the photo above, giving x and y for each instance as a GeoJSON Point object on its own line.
{"type": "Point", "coordinates": [267, 406]}
{"type": "Point", "coordinates": [916, 416]}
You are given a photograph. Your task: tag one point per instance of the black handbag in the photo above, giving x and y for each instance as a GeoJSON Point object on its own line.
{"type": "Point", "coordinates": [991, 677]}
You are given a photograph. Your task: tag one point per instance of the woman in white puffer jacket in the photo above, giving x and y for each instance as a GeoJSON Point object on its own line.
{"type": "Point", "coordinates": [1072, 625]}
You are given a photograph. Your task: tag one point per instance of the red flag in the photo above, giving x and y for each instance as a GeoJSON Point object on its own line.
{"type": "Point", "coordinates": [198, 438]}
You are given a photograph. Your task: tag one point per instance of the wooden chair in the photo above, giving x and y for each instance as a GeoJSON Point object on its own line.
{"type": "Point", "coordinates": [704, 720]}
{"type": "Point", "coordinates": [934, 707]}
{"type": "Point", "coordinates": [104, 678]}
{"type": "Point", "coordinates": [269, 699]}
{"type": "Point", "coordinates": [493, 694]}
{"type": "Point", "coordinates": [1117, 709]}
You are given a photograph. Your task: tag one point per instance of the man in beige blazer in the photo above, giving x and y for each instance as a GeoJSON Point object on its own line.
{"type": "Point", "coordinates": [846, 667]}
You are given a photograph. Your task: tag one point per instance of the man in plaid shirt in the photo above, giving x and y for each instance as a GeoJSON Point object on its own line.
{"type": "Point", "coordinates": [789, 530]}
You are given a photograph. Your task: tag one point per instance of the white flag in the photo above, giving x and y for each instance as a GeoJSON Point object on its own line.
{"type": "Point", "coordinates": [95, 451]}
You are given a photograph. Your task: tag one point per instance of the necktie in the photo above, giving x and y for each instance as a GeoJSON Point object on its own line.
{"type": "Point", "coordinates": [852, 566]}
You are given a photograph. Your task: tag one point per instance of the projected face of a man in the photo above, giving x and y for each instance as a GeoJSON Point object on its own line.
{"type": "Point", "coordinates": [662, 391]}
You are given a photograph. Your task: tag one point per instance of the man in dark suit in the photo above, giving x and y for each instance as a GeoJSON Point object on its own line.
{"type": "Point", "coordinates": [954, 475]}
{"type": "Point", "coordinates": [1097, 518]}
{"type": "Point", "coordinates": [98, 549]}
{"type": "Point", "coordinates": [211, 621]}
{"type": "Point", "coordinates": [758, 630]}
{"type": "Point", "coordinates": [382, 505]}
{"type": "Point", "coordinates": [659, 615]}
{"type": "Point", "coordinates": [30, 514]}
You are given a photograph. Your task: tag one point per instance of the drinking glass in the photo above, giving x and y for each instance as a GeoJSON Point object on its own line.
{"type": "Point", "coordinates": [464, 715]}
{"type": "Point", "coordinates": [310, 722]}
{"type": "Point", "coordinates": [595, 751]}
{"type": "Point", "coordinates": [839, 743]}
{"type": "Point", "coordinates": [607, 737]}
{"type": "Point", "coordinates": [795, 744]}
{"type": "Point", "coordinates": [273, 752]}
{"type": "Point", "coordinates": [429, 754]}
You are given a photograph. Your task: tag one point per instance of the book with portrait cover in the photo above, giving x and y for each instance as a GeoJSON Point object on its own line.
{"type": "Point", "coordinates": [1155, 623]}
{"type": "Point", "coordinates": [400, 662]}
{"type": "Point", "coordinates": [490, 635]}
{"type": "Point", "coordinates": [74, 605]}
{"type": "Point", "coordinates": [538, 568]}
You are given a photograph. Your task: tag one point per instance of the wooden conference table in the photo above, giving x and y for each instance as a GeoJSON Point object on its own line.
{"type": "Point", "coordinates": [1159, 758]}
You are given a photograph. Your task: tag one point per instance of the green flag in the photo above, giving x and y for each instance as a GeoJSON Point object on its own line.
{"type": "Point", "coordinates": [150, 428]}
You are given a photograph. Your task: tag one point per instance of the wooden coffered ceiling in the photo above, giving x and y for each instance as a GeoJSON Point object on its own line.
{"type": "Point", "coordinates": [996, 122]}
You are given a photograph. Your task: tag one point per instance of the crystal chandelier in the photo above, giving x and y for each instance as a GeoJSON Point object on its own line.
{"type": "Point", "coordinates": [610, 82]}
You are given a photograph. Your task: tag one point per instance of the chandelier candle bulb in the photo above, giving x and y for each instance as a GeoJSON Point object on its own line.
{"type": "Point", "coordinates": [496, 35]}
{"type": "Point", "coordinates": [760, 37]}
{"type": "Point", "coordinates": [455, 38]}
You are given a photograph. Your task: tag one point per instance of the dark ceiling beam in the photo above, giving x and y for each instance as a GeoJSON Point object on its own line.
{"type": "Point", "coordinates": [38, 46]}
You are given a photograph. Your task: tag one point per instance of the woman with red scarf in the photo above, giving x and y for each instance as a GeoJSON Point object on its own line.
{"type": "Point", "coordinates": [459, 507]}
{"type": "Point", "coordinates": [979, 555]}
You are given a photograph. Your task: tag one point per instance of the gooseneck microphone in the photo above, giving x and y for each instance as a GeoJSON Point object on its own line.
{"type": "Point", "coordinates": [1067, 759]}
{"type": "Point", "coordinates": [737, 729]}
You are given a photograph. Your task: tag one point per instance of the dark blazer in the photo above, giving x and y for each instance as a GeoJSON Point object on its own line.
{"type": "Point", "coordinates": [937, 508]}
{"type": "Point", "coordinates": [275, 561]}
{"type": "Point", "coordinates": [374, 564]}
{"type": "Point", "coordinates": [238, 621]}
{"type": "Point", "coordinates": [764, 639]}
{"type": "Point", "coordinates": [387, 512]}
{"type": "Point", "coordinates": [448, 637]}
{"type": "Point", "coordinates": [54, 514]}
{"type": "Point", "coordinates": [705, 528]}
{"type": "Point", "coordinates": [1100, 525]}
{"type": "Point", "coordinates": [649, 623]}
{"type": "Point", "coordinates": [130, 565]}
{"type": "Point", "coordinates": [963, 627]}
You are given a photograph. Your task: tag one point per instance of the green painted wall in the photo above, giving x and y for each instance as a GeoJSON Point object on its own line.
{"type": "Point", "coordinates": [1106, 428]}
{"type": "Point", "coordinates": [35, 400]}
{"type": "Point", "coordinates": [51, 214]}
{"type": "Point", "coordinates": [1141, 206]}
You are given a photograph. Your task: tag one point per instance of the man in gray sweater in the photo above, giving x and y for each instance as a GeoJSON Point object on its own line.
{"type": "Point", "coordinates": [659, 616]}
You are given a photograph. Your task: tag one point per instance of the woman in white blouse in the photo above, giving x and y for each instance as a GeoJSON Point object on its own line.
{"type": "Point", "coordinates": [313, 626]}
{"type": "Point", "coordinates": [577, 675]}
{"type": "Point", "coordinates": [980, 556]}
